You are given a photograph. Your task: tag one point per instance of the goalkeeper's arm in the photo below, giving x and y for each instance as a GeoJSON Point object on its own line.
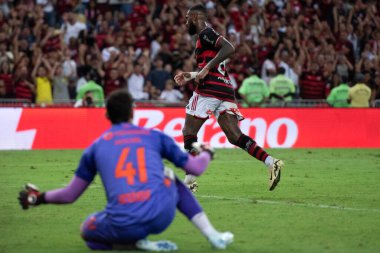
{"type": "Point", "coordinates": [31, 196]}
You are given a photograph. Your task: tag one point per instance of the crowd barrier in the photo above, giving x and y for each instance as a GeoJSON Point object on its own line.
{"type": "Point", "coordinates": [76, 128]}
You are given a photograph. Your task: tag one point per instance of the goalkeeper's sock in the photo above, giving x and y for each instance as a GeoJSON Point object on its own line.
{"type": "Point", "coordinates": [202, 222]}
{"type": "Point", "coordinates": [248, 144]}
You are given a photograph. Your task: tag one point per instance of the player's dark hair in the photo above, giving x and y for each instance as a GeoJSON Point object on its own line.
{"type": "Point", "coordinates": [199, 8]}
{"type": "Point", "coordinates": [119, 106]}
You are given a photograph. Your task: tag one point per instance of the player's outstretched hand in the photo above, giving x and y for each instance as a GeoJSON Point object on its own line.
{"type": "Point", "coordinates": [29, 196]}
{"type": "Point", "coordinates": [199, 147]}
{"type": "Point", "coordinates": [183, 77]}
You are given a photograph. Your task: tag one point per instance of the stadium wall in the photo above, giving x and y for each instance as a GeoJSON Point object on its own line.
{"type": "Point", "coordinates": [76, 128]}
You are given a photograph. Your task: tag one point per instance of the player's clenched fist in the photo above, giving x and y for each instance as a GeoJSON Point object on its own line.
{"type": "Point", "coordinates": [183, 77]}
{"type": "Point", "coordinates": [30, 196]}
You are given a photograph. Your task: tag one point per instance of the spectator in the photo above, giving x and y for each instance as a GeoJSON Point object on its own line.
{"type": "Point", "coordinates": [136, 84]}
{"type": "Point", "coordinates": [169, 94]}
{"type": "Point", "coordinates": [49, 14]}
{"type": "Point", "coordinates": [82, 73]}
{"type": "Point", "coordinates": [4, 8]}
{"type": "Point", "coordinates": [5, 54]}
{"type": "Point", "coordinates": [113, 82]}
{"type": "Point", "coordinates": [313, 40]}
{"type": "Point", "coordinates": [90, 94]}
{"type": "Point", "coordinates": [268, 70]}
{"type": "Point", "coordinates": [338, 96]}
{"type": "Point", "coordinates": [282, 57]}
{"type": "Point", "coordinates": [344, 66]}
{"type": "Point", "coordinates": [24, 88]}
{"type": "Point", "coordinates": [6, 78]}
{"type": "Point", "coordinates": [254, 91]}
{"type": "Point", "coordinates": [158, 76]}
{"type": "Point", "coordinates": [360, 93]}
{"type": "Point", "coordinates": [60, 85]}
{"type": "Point", "coordinates": [281, 88]}
{"type": "Point", "coordinates": [69, 66]}
{"type": "Point", "coordinates": [42, 75]}
{"type": "Point", "coordinates": [313, 84]}
{"type": "Point", "coordinates": [71, 27]}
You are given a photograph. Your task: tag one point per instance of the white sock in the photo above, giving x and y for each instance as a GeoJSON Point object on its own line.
{"type": "Point", "coordinates": [201, 221]}
{"type": "Point", "coordinates": [189, 179]}
{"type": "Point", "coordinates": [269, 161]}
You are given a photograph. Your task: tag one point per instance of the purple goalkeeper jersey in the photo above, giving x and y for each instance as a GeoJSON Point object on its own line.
{"type": "Point", "coordinates": [128, 159]}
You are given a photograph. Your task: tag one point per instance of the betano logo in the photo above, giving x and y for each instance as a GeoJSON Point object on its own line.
{"type": "Point", "coordinates": [77, 128]}
{"type": "Point", "coordinates": [258, 128]}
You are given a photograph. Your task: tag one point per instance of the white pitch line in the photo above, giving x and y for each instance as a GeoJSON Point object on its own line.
{"type": "Point", "coordinates": [274, 202]}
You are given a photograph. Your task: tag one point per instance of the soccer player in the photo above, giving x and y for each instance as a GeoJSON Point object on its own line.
{"type": "Point", "coordinates": [214, 94]}
{"type": "Point", "coordinates": [142, 196]}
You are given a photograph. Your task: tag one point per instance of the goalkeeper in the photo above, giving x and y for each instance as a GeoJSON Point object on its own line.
{"type": "Point", "coordinates": [142, 195]}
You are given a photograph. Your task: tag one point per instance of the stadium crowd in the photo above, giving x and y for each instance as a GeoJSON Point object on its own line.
{"type": "Point", "coordinates": [56, 51]}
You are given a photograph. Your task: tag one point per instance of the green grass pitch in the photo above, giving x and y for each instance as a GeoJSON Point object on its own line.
{"type": "Point", "coordinates": [327, 201]}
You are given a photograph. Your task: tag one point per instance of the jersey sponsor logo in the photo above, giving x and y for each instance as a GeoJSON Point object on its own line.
{"type": "Point", "coordinates": [134, 197]}
{"type": "Point", "coordinates": [128, 141]}
{"type": "Point", "coordinates": [131, 132]}
{"type": "Point", "coordinates": [223, 79]}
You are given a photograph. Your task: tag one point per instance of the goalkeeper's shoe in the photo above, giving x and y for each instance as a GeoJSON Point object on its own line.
{"type": "Point", "coordinates": [275, 173]}
{"type": "Point", "coordinates": [221, 240]}
{"type": "Point", "coordinates": [156, 245]}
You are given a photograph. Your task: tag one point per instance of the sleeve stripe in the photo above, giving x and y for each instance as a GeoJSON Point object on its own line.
{"type": "Point", "coordinates": [217, 40]}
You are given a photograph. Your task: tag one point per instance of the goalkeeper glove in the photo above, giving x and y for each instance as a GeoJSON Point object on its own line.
{"type": "Point", "coordinates": [31, 196]}
{"type": "Point", "coordinates": [198, 147]}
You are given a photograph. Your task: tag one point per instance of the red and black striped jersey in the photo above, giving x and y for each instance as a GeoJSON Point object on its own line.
{"type": "Point", "coordinates": [217, 83]}
{"type": "Point", "coordinates": [23, 91]}
{"type": "Point", "coordinates": [313, 86]}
